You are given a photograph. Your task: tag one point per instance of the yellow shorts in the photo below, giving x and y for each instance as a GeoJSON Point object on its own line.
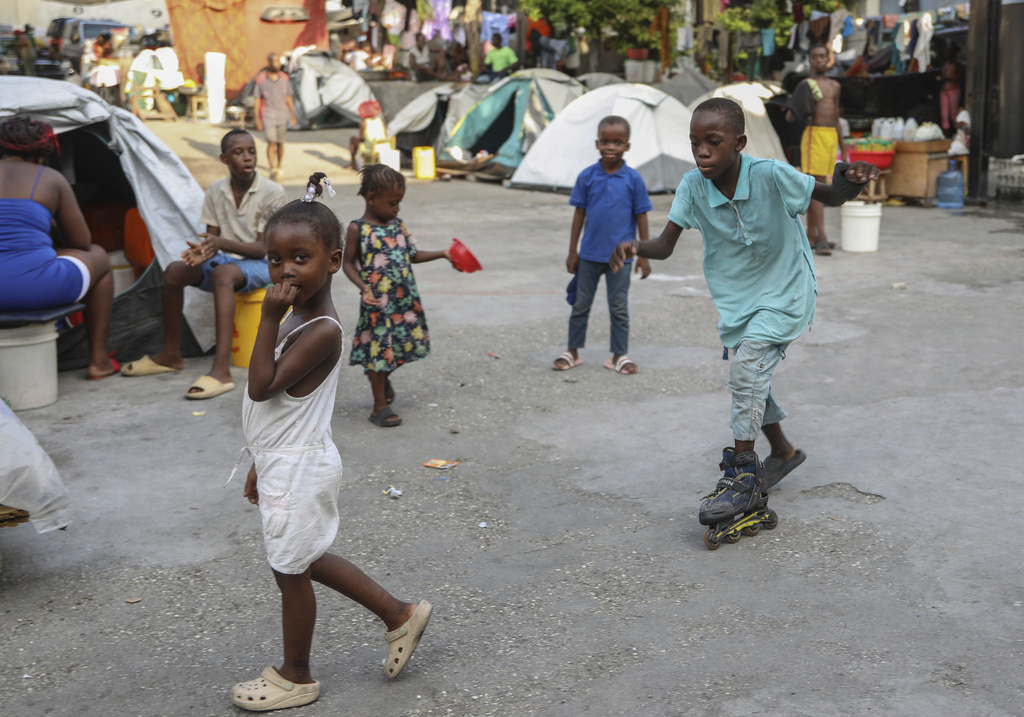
{"type": "Point", "coordinates": [818, 149]}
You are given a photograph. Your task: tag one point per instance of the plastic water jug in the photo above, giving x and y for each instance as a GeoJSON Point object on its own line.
{"type": "Point", "coordinates": [909, 129]}
{"type": "Point", "coordinates": [897, 129]}
{"type": "Point", "coordinates": [951, 188]}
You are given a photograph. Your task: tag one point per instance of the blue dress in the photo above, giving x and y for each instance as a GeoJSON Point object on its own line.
{"type": "Point", "coordinates": [32, 276]}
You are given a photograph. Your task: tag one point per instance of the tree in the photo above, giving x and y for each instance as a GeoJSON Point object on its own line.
{"type": "Point", "coordinates": [627, 20]}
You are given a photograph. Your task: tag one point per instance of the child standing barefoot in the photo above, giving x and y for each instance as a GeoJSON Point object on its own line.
{"type": "Point", "coordinates": [286, 415]}
{"type": "Point", "coordinates": [379, 252]}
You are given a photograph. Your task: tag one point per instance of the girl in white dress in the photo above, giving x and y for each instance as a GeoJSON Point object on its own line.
{"type": "Point", "coordinates": [296, 473]}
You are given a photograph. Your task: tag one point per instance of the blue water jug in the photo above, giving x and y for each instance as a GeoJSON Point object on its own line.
{"type": "Point", "coordinates": [951, 188]}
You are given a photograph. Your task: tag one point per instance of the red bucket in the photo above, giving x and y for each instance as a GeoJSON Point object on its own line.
{"type": "Point", "coordinates": [462, 258]}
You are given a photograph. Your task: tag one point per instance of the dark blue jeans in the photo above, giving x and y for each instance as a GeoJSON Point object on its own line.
{"type": "Point", "coordinates": [588, 274]}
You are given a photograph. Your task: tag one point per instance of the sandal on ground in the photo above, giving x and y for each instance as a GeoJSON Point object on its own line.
{"type": "Point", "coordinates": [822, 248]}
{"type": "Point", "coordinates": [775, 469]}
{"type": "Point", "coordinates": [381, 418]}
{"type": "Point", "coordinates": [209, 387]}
{"type": "Point", "coordinates": [620, 365]}
{"type": "Point", "coordinates": [145, 366]}
{"type": "Point", "coordinates": [571, 362]}
{"type": "Point", "coordinates": [270, 691]}
{"type": "Point", "coordinates": [403, 641]}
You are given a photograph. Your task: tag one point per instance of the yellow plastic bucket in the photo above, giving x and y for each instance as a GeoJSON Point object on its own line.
{"type": "Point", "coordinates": [248, 308]}
{"type": "Point", "coordinates": [423, 162]}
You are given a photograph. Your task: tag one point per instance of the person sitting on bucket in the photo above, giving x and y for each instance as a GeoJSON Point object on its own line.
{"type": "Point", "coordinates": [229, 260]}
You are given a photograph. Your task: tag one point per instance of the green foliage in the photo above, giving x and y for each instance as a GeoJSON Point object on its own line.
{"type": "Point", "coordinates": [628, 19]}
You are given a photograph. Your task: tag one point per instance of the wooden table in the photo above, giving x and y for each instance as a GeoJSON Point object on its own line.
{"type": "Point", "coordinates": [916, 168]}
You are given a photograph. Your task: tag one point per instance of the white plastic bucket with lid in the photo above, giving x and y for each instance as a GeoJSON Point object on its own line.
{"type": "Point", "coordinates": [28, 365]}
{"type": "Point", "coordinates": [861, 225]}
{"type": "Point", "coordinates": [634, 70]}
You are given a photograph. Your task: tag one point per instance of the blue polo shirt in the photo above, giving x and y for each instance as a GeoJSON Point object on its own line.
{"type": "Point", "coordinates": [757, 260]}
{"type": "Point", "coordinates": [612, 202]}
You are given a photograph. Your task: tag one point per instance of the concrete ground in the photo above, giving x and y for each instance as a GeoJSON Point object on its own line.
{"type": "Point", "coordinates": [563, 555]}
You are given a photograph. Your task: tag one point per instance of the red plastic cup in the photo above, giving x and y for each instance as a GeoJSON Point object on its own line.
{"type": "Point", "coordinates": [462, 258]}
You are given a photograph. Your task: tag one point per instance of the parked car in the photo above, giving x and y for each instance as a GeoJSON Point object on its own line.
{"type": "Point", "coordinates": [76, 36]}
{"type": "Point", "coordinates": [11, 64]}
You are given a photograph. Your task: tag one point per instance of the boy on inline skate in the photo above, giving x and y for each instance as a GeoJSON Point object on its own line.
{"type": "Point", "coordinates": [760, 271]}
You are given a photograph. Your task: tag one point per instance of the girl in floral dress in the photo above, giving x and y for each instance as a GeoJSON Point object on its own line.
{"type": "Point", "coordinates": [378, 258]}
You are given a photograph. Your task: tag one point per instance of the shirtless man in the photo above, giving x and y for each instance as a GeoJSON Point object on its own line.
{"type": "Point", "coordinates": [816, 102]}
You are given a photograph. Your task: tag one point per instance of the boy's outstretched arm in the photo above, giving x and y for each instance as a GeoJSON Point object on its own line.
{"type": "Point", "coordinates": [660, 248]}
{"type": "Point", "coordinates": [847, 183]}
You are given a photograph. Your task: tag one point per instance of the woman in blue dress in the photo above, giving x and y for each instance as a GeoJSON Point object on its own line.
{"type": "Point", "coordinates": [33, 273]}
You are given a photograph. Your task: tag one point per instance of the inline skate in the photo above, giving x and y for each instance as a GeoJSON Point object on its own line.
{"type": "Point", "coordinates": [738, 504]}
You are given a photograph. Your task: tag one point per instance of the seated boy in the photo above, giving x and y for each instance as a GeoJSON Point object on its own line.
{"type": "Point", "coordinates": [229, 259]}
{"type": "Point", "coordinates": [759, 268]}
{"type": "Point", "coordinates": [500, 61]}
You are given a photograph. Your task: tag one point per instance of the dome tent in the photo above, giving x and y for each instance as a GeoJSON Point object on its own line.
{"type": "Point", "coordinates": [430, 118]}
{"type": "Point", "coordinates": [508, 119]}
{"type": "Point", "coordinates": [659, 141]}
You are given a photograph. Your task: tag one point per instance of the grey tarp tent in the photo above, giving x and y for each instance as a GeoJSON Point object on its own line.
{"type": "Point", "coordinates": [659, 140]}
{"type": "Point", "coordinates": [124, 156]}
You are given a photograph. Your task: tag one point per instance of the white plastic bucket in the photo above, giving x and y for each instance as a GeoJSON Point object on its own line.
{"type": "Point", "coordinates": [28, 365]}
{"type": "Point", "coordinates": [861, 225]}
{"type": "Point", "coordinates": [634, 70]}
{"type": "Point", "coordinates": [216, 64]}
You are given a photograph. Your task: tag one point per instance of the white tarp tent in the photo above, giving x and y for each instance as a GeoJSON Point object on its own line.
{"type": "Point", "coordinates": [688, 85]}
{"type": "Point", "coordinates": [168, 198]}
{"type": "Point", "coordinates": [593, 80]}
{"type": "Point", "coordinates": [659, 139]}
{"type": "Point", "coordinates": [762, 139]}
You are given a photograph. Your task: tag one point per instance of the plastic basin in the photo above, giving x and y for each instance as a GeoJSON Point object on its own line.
{"type": "Point", "coordinates": [882, 160]}
{"type": "Point", "coordinates": [462, 258]}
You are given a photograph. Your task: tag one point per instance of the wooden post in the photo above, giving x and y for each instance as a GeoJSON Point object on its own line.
{"type": "Point", "coordinates": [474, 18]}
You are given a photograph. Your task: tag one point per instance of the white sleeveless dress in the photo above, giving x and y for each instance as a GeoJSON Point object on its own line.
{"type": "Point", "coordinates": [298, 468]}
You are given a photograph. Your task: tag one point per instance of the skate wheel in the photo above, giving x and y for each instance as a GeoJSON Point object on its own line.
{"type": "Point", "coordinates": [771, 521]}
{"type": "Point", "coordinates": [732, 537]}
{"type": "Point", "coordinates": [752, 530]}
{"type": "Point", "coordinates": [710, 541]}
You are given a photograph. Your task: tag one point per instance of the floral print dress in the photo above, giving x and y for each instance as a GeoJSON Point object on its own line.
{"type": "Point", "coordinates": [393, 332]}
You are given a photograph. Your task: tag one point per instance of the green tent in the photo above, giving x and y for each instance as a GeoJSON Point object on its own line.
{"type": "Point", "coordinates": [508, 119]}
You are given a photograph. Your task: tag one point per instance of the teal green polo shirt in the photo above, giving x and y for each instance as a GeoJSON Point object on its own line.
{"type": "Point", "coordinates": [757, 260]}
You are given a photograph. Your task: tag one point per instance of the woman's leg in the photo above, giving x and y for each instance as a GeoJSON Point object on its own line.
{"type": "Point", "coordinates": [99, 301]}
{"type": "Point", "coordinates": [379, 381]}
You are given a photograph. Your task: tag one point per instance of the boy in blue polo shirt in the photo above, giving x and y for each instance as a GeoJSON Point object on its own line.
{"type": "Point", "coordinates": [611, 205]}
{"type": "Point", "coordinates": [760, 271]}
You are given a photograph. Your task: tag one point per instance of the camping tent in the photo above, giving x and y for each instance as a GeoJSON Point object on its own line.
{"type": "Point", "coordinates": [688, 85]}
{"type": "Point", "coordinates": [430, 118]}
{"type": "Point", "coordinates": [659, 143]}
{"type": "Point", "coordinates": [593, 80]}
{"type": "Point", "coordinates": [762, 139]}
{"type": "Point", "coordinates": [327, 92]}
{"type": "Point", "coordinates": [509, 118]}
{"type": "Point", "coordinates": [109, 155]}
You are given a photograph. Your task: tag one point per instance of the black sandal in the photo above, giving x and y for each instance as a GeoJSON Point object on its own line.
{"type": "Point", "coordinates": [822, 249]}
{"type": "Point", "coordinates": [381, 418]}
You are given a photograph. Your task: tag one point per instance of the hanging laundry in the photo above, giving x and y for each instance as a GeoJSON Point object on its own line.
{"type": "Point", "coordinates": [922, 51]}
{"type": "Point", "coordinates": [442, 9]}
{"type": "Point", "coordinates": [495, 23]}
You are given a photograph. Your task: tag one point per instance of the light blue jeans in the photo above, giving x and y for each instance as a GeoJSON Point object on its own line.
{"type": "Point", "coordinates": [750, 377]}
{"type": "Point", "coordinates": [588, 274]}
